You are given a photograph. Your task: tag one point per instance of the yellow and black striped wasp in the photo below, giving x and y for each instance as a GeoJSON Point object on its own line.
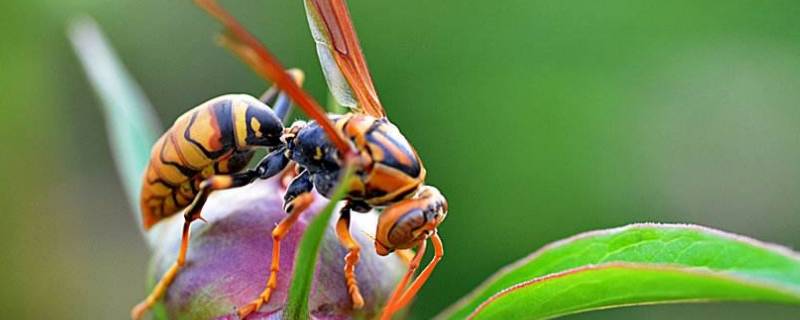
{"type": "Point", "coordinates": [206, 149]}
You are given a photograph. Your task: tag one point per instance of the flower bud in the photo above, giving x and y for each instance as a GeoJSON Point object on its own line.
{"type": "Point", "coordinates": [229, 259]}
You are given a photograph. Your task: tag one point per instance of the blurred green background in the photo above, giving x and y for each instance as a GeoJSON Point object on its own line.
{"type": "Point", "coordinates": [538, 120]}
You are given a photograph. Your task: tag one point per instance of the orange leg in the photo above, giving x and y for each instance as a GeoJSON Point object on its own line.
{"type": "Point", "coordinates": [411, 292]}
{"type": "Point", "coordinates": [300, 204]}
{"type": "Point", "coordinates": [351, 259]}
{"type": "Point", "coordinates": [139, 310]}
{"type": "Point", "coordinates": [192, 213]}
{"type": "Point", "coordinates": [438, 253]}
{"type": "Point", "coordinates": [401, 286]}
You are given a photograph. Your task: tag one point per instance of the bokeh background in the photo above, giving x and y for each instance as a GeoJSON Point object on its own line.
{"type": "Point", "coordinates": [538, 119]}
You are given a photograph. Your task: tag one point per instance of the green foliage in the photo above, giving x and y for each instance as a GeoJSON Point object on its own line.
{"type": "Point", "coordinates": [308, 251]}
{"type": "Point", "coordinates": [624, 111]}
{"type": "Point", "coordinates": [636, 264]}
{"type": "Point", "coordinates": [131, 125]}
{"type": "Point", "coordinates": [616, 285]}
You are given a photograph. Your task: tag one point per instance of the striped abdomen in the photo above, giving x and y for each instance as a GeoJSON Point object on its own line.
{"type": "Point", "coordinates": [214, 138]}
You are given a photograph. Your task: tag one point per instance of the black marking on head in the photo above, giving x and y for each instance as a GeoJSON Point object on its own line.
{"type": "Point", "coordinates": [263, 127]}
{"type": "Point", "coordinates": [304, 149]}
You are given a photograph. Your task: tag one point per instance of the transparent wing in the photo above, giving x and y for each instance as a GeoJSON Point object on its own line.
{"type": "Point", "coordinates": [340, 56]}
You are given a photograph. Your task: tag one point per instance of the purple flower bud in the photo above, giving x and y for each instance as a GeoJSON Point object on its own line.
{"type": "Point", "coordinates": [229, 258]}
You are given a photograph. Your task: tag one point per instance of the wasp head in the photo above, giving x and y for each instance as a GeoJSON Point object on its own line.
{"type": "Point", "coordinates": [407, 223]}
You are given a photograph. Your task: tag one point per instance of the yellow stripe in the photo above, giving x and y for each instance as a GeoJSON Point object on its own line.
{"type": "Point", "coordinates": [239, 122]}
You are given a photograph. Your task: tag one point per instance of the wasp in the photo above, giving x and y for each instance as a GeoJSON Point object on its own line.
{"type": "Point", "coordinates": [209, 147]}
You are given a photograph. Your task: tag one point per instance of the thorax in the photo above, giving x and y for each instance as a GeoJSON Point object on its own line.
{"type": "Point", "coordinates": [389, 170]}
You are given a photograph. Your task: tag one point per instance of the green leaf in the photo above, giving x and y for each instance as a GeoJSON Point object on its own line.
{"type": "Point", "coordinates": [131, 124]}
{"type": "Point", "coordinates": [621, 284]}
{"type": "Point", "coordinates": [308, 251]}
{"type": "Point", "coordinates": [636, 264]}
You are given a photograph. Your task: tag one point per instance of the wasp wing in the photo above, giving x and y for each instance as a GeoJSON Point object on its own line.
{"type": "Point", "coordinates": [255, 54]}
{"type": "Point", "coordinates": [341, 57]}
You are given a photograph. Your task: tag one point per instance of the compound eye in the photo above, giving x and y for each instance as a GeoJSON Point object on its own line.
{"type": "Point", "coordinates": [404, 229]}
{"type": "Point", "coordinates": [404, 224]}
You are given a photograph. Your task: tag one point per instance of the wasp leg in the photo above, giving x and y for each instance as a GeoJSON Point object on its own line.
{"type": "Point", "coordinates": [351, 259]}
{"type": "Point", "coordinates": [406, 224]}
{"type": "Point", "coordinates": [192, 213]}
{"type": "Point", "coordinates": [278, 100]}
{"type": "Point", "coordinates": [300, 184]}
{"type": "Point", "coordinates": [301, 204]}
{"type": "Point", "coordinates": [411, 292]}
{"type": "Point", "coordinates": [390, 308]}
{"type": "Point", "coordinates": [272, 164]}
{"type": "Point", "coordinates": [269, 166]}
